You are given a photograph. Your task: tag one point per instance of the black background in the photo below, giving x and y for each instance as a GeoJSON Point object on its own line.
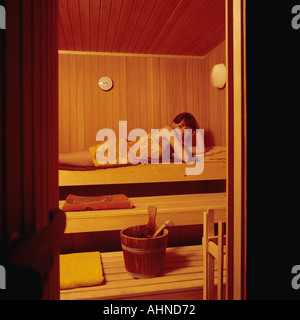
{"type": "Point", "coordinates": [273, 100]}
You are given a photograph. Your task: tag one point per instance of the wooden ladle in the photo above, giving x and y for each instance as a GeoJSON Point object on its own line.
{"type": "Point", "coordinates": [162, 227]}
{"type": "Point", "coordinates": [151, 227]}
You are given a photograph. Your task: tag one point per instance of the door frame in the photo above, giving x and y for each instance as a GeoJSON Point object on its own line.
{"type": "Point", "coordinates": [236, 115]}
{"type": "Point", "coordinates": [236, 141]}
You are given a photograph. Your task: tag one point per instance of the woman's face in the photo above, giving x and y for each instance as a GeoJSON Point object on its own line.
{"type": "Point", "coordinates": [181, 126]}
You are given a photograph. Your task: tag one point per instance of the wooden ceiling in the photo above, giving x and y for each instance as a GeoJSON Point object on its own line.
{"type": "Point", "coordinates": [171, 27]}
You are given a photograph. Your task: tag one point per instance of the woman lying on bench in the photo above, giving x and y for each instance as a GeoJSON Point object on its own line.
{"type": "Point", "coordinates": [177, 136]}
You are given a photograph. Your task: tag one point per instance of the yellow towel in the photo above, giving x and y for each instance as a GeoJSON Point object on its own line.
{"type": "Point", "coordinates": [80, 270]}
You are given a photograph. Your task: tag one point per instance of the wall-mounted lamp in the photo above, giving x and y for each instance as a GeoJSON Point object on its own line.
{"type": "Point", "coordinates": [218, 76]}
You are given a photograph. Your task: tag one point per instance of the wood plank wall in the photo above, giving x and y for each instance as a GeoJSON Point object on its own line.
{"type": "Point", "coordinates": [149, 91]}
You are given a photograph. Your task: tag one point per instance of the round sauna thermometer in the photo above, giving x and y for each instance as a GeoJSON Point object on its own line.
{"type": "Point", "coordinates": [105, 83]}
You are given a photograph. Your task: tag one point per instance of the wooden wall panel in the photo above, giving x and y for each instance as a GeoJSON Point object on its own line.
{"type": "Point", "coordinates": [216, 122]}
{"type": "Point", "coordinates": [149, 91]}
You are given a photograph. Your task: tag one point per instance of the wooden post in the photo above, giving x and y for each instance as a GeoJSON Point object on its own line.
{"type": "Point", "coordinates": [236, 143]}
{"type": "Point", "coordinates": [208, 260]}
{"type": "Point", "coordinates": [220, 259]}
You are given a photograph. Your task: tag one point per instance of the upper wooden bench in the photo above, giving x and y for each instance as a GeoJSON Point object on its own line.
{"type": "Point", "coordinates": [214, 169]}
{"type": "Point", "coordinates": [181, 209]}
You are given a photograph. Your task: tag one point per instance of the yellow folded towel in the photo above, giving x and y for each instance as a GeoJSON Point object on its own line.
{"type": "Point", "coordinates": [80, 270]}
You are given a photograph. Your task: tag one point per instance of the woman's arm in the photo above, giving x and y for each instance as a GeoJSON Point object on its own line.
{"type": "Point", "coordinates": [176, 142]}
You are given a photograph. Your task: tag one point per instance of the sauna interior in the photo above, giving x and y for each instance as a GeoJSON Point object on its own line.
{"type": "Point", "coordinates": [159, 55]}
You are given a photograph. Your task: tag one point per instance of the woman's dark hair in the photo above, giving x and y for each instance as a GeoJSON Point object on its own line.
{"type": "Point", "coordinates": [188, 119]}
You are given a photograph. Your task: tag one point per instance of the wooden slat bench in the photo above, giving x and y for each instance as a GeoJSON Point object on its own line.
{"type": "Point", "coordinates": [186, 209]}
{"type": "Point", "coordinates": [214, 169]}
{"type": "Point", "coordinates": [183, 276]}
{"type": "Point", "coordinates": [182, 279]}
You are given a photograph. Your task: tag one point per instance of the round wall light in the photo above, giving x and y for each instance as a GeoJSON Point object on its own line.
{"type": "Point", "coordinates": [218, 76]}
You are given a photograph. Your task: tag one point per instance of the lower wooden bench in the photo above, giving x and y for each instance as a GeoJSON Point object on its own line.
{"type": "Point", "coordinates": [185, 209]}
{"type": "Point", "coordinates": [182, 279]}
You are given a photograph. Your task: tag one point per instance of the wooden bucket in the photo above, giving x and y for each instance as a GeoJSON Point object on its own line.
{"type": "Point", "coordinates": [143, 256]}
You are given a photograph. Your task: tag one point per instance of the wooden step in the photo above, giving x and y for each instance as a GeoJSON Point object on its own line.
{"type": "Point", "coordinates": [186, 209]}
